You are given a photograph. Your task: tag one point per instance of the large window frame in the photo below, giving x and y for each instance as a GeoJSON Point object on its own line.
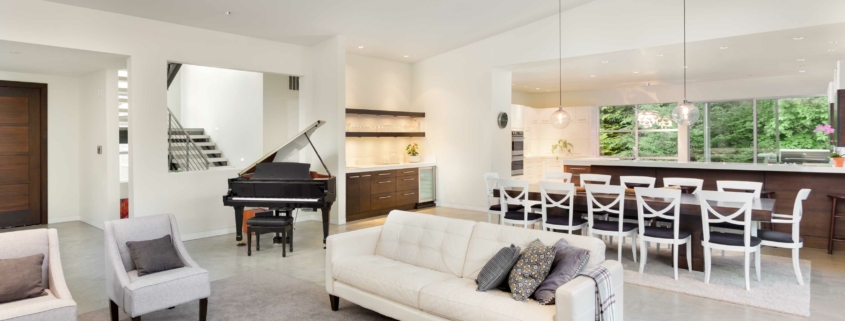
{"type": "Point", "coordinates": [705, 118]}
{"type": "Point", "coordinates": [636, 132]}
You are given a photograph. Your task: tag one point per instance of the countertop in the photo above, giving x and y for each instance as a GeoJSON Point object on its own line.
{"type": "Point", "coordinates": [373, 168]}
{"type": "Point", "coordinates": [715, 166]}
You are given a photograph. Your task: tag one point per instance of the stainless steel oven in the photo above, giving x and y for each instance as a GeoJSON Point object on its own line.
{"type": "Point", "coordinates": [517, 146]}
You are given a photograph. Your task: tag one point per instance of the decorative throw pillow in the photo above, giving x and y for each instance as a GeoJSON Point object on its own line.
{"type": "Point", "coordinates": [569, 260]}
{"type": "Point", "coordinates": [21, 278]}
{"type": "Point", "coordinates": [154, 255]}
{"type": "Point", "coordinates": [530, 270]}
{"type": "Point", "coordinates": [496, 271]}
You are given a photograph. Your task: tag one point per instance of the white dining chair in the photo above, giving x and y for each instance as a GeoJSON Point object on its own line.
{"type": "Point", "coordinates": [594, 179]}
{"type": "Point", "coordinates": [636, 180]}
{"type": "Point", "coordinates": [520, 216]}
{"type": "Point", "coordinates": [563, 176]}
{"type": "Point", "coordinates": [744, 242]}
{"type": "Point", "coordinates": [673, 236]}
{"type": "Point", "coordinates": [569, 222]}
{"type": "Point", "coordinates": [494, 207]}
{"type": "Point", "coordinates": [684, 182]}
{"type": "Point", "coordinates": [739, 186]}
{"type": "Point", "coordinates": [608, 228]}
{"type": "Point", "coordinates": [791, 240]}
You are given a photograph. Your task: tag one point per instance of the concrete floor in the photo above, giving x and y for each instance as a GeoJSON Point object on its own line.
{"type": "Point", "coordinates": [83, 260]}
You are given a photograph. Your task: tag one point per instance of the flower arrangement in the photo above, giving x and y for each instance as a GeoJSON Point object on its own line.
{"type": "Point", "coordinates": [412, 149]}
{"type": "Point", "coordinates": [824, 128]}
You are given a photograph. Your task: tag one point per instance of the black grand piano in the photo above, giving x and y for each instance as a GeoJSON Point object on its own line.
{"type": "Point", "coordinates": [283, 186]}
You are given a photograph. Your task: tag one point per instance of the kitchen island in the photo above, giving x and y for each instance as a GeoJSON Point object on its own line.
{"type": "Point", "coordinates": [782, 181]}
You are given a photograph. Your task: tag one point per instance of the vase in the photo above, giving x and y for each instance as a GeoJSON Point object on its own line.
{"type": "Point", "coordinates": [418, 158]}
{"type": "Point", "coordinates": [838, 161]}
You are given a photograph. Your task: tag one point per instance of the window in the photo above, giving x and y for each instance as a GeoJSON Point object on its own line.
{"type": "Point", "coordinates": [731, 131]}
{"type": "Point", "coordinates": [638, 132]}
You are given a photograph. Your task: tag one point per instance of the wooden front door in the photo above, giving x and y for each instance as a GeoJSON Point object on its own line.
{"type": "Point", "coordinates": [23, 154]}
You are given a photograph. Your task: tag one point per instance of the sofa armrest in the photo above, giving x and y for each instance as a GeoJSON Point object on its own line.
{"type": "Point", "coordinates": [576, 300]}
{"type": "Point", "coordinates": [355, 243]}
{"type": "Point", "coordinates": [56, 275]}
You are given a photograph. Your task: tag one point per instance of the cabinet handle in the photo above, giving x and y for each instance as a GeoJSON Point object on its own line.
{"type": "Point", "coordinates": [382, 174]}
{"type": "Point", "coordinates": [365, 175]}
{"type": "Point", "coordinates": [384, 182]}
{"type": "Point", "coordinates": [408, 172]}
{"type": "Point", "coordinates": [408, 179]}
{"type": "Point", "coordinates": [383, 197]}
{"type": "Point", "coordinates": [406, 194]}
{"type": "Point", "coordinates": [354, 176]}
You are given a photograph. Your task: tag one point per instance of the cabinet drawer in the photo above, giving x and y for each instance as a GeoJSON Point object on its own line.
{"type": "Point", "coordinates": [379, 185]}
{"type": "Point", "coordinates": [407, 197]}
{"type": "Point", "coordinates": [405, 183]}
{"type": "Point", "coordinates": [407, 172]}
{"type": "Point", "coordinates": [383, 174]}
{"type": "Point", "coordinates": [381, 201]}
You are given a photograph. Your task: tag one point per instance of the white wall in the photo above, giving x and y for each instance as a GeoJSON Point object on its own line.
{"type": "Point", "coordinates": [228, 104]}
{"type": "Point", "coordinates": [62, 143]}
{"type": "Point", "coordinates": [281, 111]}
{"type": "Point", "coordinates": [373, 83]}
{"type": "Point", "coordinates": [195, 198]}
{"type": "Point", "coordinates": [456, 89]}
{"type": "Point", "coordinates": [99, 178]}
{"type": "Point", "coordinates": [174, 96]}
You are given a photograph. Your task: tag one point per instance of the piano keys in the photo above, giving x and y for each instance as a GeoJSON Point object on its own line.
{"type": "Point", "coordinates": [283, 186]}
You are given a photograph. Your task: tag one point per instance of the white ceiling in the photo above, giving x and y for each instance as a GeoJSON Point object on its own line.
{"type": "Point", "coordinates": [747, 56]}
{"type": "Point", "coordinates": [38, 59]}
{"type": "Point", "coordinates": [387, 29]}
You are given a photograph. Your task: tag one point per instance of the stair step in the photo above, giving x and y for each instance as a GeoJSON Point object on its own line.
{"type": "Point", "coordinates": [199, 144]}
{"type": "Point", "coordinates": [210, 160]}
{"type": "Point", "coordinates": [193, 137]}
{"type": "Point", "coordinates": [181, 151]}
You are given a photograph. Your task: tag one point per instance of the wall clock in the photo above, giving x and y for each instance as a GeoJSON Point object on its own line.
{"type": "Point", "coordinates": [502, 120]}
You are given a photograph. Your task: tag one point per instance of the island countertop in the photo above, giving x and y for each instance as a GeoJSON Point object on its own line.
{"type": "Point", "coordinates": [795, 168]}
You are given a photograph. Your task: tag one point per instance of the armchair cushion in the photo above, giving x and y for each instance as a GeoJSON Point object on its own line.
{"type": "Point", "coordinates": [22, 278]}
{"type": "Point", "coordinates": [45, 307]}
{"type": "Point", "coordinates": [154, 255]}
{"type": "Point", "coordinates": [165, 289]}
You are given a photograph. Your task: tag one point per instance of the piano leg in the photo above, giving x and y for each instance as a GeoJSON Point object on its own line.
{"type": "Point", "coordinates": [326, 208]}
{"type": "Point", "coordinates": [239, 224]}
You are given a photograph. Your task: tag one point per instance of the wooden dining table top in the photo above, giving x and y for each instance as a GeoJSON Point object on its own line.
{"type": "Point", "coordinates": [761, 208]}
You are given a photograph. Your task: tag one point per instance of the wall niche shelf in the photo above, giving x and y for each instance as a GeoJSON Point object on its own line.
{"type": "Point", "coordinates": [385, 113]}
{"type": "Point", "coordinates": [385, 134]}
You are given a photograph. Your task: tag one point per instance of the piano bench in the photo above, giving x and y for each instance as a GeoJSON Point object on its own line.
{"type": "Point", "coordinates": [269, 224]}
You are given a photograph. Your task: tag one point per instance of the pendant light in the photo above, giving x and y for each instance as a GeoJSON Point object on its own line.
{"type": "Point", "coordinates": [685, 113]}
{"type": "Point", "coordinates": [560, 118]}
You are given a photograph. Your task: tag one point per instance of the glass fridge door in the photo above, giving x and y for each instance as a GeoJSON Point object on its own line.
{"type": "Point", "coordinates": [427, 184]}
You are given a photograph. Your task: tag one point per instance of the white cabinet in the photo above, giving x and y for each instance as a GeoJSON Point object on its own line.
{"type": "Point", "coordinates": [516, 117]}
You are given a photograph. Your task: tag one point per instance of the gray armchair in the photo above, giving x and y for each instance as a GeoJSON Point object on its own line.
{"type": "Point", "coordinates": [158, 291]}
{"type": "Point", "coordinates": [57, 305]}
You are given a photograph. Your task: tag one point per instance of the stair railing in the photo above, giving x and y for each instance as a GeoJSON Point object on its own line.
{"type": "Point", "coordinates": [194, 159]}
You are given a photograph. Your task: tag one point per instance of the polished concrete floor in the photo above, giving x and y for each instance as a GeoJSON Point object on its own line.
{"type": "Point", "coordinates": [83, 260]}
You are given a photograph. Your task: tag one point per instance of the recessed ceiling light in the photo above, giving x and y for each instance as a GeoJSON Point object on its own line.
{"type": "Point", "coordinates": [548, 90]}
{"type": "Point", "coordinates": [360, 47]}
{"type": "Point", "coordinates": [798, 38]}
{"type": "Point", "coordinates": [636, 72]}
{"type": "Point", "coordinates": [723, 47]}
{"type": "Point", "coordinates": [406, 56]}
{"type": "Point", "coordinates": [228, 12]}
{"type": "Point", "coordinates": [800, 59]}
{"type": "Point", "coordinates": [605, 61]}
{"type": "Point", "coordinates": [660, 55]}
{"type": "Point", "coordinates": [833, 42]}
{"type": "Point", "coordinates": [537, 88]}
{"type": "Point", "coordinates": [592, 76]}
{"type": "Point", "coordinates": [802, 71]}
{"type": "Point", "coordinates": [831, 50]}
{"type": "Point", "coordinates": [15, 52]}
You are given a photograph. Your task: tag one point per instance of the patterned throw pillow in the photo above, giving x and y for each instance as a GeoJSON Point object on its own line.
{"type": "Point", "coordinates": [496, 271]}
{"type": "Point", "coordinates": [569, 260]}
{"type": "Point", "coordinates": [530, 270]}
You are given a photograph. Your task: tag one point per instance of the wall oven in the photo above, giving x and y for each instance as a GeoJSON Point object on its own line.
{"type": "Point", "coordinates": [517, 146]}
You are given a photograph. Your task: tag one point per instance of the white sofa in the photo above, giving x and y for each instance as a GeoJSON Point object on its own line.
{"type": "Point", "coordinates": [423, 267]}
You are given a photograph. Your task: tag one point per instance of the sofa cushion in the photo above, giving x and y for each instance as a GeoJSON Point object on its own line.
{"type": "Point", "coordinates": [498, 268]}
{"type": "Point", "coordinates": [428, 241]}
{"type": "Point", "coordinates": [457, 299]}
{"type": "Point", "coordinates": [569, 260]}
{"type": "Point", "coordinates": [397, 281]}
{"type": "Point", "coordinates": [45, 307]}
{"type": "Point", "coordinates": [164, 289]}
{"type": "Point", "coordinates": [488, 238]}
{"type": "Point", "coordinates": [21, 278]}
{"type": "Point", "coordinates": [530, 270]}
{"type": "Point", "coordinates": [154, 255]}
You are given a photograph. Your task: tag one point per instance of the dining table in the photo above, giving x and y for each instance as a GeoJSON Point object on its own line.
{"type": "Point", "coordinates": [690, 213]}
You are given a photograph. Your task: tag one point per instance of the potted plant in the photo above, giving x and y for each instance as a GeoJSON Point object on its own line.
{"type": "Point", "coordinates": [413, 153]}
{"type": "Point", "coordinates": [561, 146]}
{"type": "Point", "coordinates": [838, 160]}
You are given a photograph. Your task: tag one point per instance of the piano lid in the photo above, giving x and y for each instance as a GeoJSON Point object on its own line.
{"type": "Point", "coordinates": [288, 149]}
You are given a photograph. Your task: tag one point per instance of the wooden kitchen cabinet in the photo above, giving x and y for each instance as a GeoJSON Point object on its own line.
{"type": "Point", "coordinates": [370, 194]}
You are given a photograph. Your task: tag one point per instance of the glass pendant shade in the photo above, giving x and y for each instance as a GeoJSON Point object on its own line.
{"type": "Point", "coordinates": [685, 114]}
{"type": "Point", "coordinates": [560, 119]}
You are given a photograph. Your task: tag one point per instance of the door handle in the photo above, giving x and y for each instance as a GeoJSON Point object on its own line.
{"type": "Point", "coordinates": [365, 175]}
{"type": "Point", "coordinates": [408, 172]}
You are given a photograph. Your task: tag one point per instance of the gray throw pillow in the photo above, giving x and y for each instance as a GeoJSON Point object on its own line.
{"type": "Point", "coordinates": [154, 255]}
{"type": "Point", "coordinates": [530, 270]}
{"type": "Point", "coordinates": [21, 278]}
{"type": "Point", "coordinates": [496, 271]}
{"type": "Point", "coordinates": [569, 260]}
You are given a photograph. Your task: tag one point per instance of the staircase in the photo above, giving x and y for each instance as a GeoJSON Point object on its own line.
{"type": "Point", "coordinates": [178, 142]}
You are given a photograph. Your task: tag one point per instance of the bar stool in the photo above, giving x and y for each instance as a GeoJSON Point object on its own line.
{"type": "Point", "coordinates": [833, 217]}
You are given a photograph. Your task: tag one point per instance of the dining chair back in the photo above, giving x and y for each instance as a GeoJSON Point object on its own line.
{"type": "Point", "coordinates": [509, 187]}
{"type": "Point", "coordinates": [670, 213]}
{"type": "Point", "coordinates": [570, 222]}
{"type": "Point", "coordinates": [741, 217]}
{"type": "Point", "coordinates": [791, 240]}
{"type": "Point", "coordinates": [594, 179]}
{"type": "Point", "coordinates": [684, 182]}
{"type": "Point", "coordinates": [636, 181]}
{"type": "Point", "coordinates": [614, 204]}
{"type": "Point", "coordinates": [563, 176]}
{"type": "Point", "coordinates": [490, 181]}
{"type": "Point", "coordinates": [745, 186]}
